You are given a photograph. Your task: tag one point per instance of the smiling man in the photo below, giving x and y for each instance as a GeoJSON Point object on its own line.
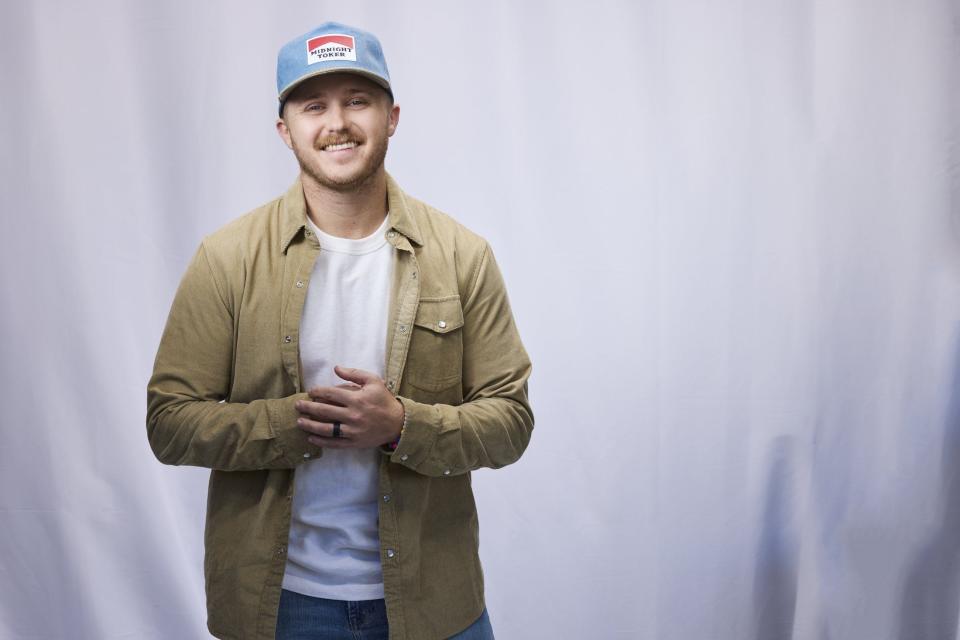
{"type": "Point", "coordinates": [341, 358]}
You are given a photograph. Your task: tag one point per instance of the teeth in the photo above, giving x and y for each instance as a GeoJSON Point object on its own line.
{"type": "Point", "coordinates": [340, 147]}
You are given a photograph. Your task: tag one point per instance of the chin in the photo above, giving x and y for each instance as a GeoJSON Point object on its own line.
{"type": "Point", "coordinates": [345, 182]}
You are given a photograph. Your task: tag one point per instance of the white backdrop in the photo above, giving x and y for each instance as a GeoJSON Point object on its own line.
{"type": "Point", "coordinates": [730, 233]}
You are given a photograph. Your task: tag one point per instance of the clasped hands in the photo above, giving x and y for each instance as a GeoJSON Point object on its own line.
{"type": "Point", "coordinates": [369, 415]}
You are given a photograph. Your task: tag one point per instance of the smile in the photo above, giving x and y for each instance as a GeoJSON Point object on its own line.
{"type": "Point", "coordinates": [340, 147]}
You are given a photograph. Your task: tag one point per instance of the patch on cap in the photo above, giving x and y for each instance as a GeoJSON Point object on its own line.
{"type": "Point", "coordinates": [329, 47]}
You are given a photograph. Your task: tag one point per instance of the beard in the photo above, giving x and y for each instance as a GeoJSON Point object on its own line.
{"type": "Point", "coordinates": [358, 179]}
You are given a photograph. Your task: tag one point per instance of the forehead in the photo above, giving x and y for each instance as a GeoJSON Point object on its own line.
{"type": "Point", "coordinates": [331, 84]}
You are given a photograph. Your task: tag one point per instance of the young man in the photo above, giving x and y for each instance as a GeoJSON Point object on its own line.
{"type": "Point", "coordinates": [341, 358]}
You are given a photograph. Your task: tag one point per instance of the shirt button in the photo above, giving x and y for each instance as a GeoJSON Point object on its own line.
{"type": "Point", "coordinates": [390, 385]}
{"type": "Point", "coordinates": [446, 472]}
{"type": "Point", "coordinates": [403, 328]}
{"type": "Point", "coordinates": [413, 275]}
{"type": "Point", "coordinates": [404, 457]}
{"type": "Point", "coordinates": [442, 324]}
{"type": "Point", "coordinates": [386, 498]}
{"type": "Point", "coordinates": [280, 550]}
{"type": "Point", "coordinates": [299, 284]}
{"type": "Point", "coordinates": [391, 553]}
{"type": "Point", "coordinates": [308, 233]}
{"type": "Point", "coordinates": [392, 234]}
{"type": "Point", "coordinates": [306, 455]}
{"type": "Point", "coordinates": [287, 339]}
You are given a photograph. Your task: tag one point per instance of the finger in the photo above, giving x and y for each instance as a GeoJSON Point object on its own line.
{"type": "Point", "coordinates": [315, 427]}
{"type": "Point", "coordinates": [323, 429]}
{"type": "Point", "coordinates": [358, 376]}
{"type": "Point", "coordinates": [321, 411]}
{"type": "Point", "coordinates": [331, 395]}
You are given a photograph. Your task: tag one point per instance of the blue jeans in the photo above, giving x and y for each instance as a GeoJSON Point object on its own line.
{"type": "Point", "coordinates": [307, 618]}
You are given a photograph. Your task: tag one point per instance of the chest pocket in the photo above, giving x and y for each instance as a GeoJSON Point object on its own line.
{"type": "Point", "coordinates": [435, 359]}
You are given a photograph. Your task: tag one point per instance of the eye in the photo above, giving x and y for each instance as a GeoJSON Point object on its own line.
{"type": "Point", "coordinates": [314, 106]}
{"type": "Point", "coordinates": [357, 102]}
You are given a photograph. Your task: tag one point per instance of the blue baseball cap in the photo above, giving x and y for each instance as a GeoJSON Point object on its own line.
{"type": "Point", "coordinates": [330, 48]}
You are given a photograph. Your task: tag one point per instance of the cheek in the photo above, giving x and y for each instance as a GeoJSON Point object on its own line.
{"type": "Point", "coordinates": [294, 140]}
{"type": "Point", "coordinates": [375, 124]}
{"type": "Point", "coordinates": [303, 137]}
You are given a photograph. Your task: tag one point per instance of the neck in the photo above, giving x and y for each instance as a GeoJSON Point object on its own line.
{"type": "Point", "coordinates": [347, 214]}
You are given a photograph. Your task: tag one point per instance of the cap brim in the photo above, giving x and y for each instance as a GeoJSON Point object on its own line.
{"type": "Point", "coordinates": [320, 72]}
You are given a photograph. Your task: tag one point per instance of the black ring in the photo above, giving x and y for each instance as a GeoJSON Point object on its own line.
{"type": "Point", "coordinates": [336, 429]}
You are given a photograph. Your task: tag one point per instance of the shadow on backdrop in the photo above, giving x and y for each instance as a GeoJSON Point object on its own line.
{"type": "Point", "coordinates": [931, 594]}
{"type": "Point", "coordinates": [775, 579]}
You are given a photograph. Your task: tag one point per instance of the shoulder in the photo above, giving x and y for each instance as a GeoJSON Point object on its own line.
{"type": "Point", "coordinates": [248, 247]}
{"type": "Point", "coordinates": [246, 232]}
{"type": "Point", "coordinates": [448, 250]}
{"type": "Point", "coordinates": [439, 229]}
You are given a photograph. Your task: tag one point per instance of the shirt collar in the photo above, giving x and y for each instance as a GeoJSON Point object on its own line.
{"type": "Point", "coordinates": [293, 213]}
{"type": "Point", "coordinates": [401, 218]}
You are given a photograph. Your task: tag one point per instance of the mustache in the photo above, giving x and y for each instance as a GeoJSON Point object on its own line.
{"type": "Point", "coordinates": [341, 139]}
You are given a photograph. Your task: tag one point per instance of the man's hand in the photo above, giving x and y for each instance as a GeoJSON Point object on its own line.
{"type": "Point", "coordinates": [369, 415]}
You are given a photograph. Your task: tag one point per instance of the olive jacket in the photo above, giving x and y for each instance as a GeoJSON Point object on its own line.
{"type": "Point", "coordinates": [227, 374]}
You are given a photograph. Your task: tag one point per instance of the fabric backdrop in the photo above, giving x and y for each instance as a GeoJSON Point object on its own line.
{"type": "Point", "coordinates": [730, 234]}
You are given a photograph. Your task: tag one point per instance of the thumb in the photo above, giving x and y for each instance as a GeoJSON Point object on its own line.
{"type": "Point", "coordinates": [358, 376]}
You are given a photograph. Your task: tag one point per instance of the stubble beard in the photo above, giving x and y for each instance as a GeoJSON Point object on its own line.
{"type": "Point", "coordinates": [363, 177]}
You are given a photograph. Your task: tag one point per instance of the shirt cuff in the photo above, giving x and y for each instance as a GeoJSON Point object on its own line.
{"type": "Point", "coordinates": [419, 434]}
{"type": "Point", "coordinates": [289, 439]}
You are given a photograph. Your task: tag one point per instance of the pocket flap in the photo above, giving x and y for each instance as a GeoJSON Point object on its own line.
{"type": "Point", "coordinates": [440, 315]}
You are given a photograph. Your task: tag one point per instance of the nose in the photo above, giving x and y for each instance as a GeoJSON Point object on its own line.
{"type": "Point", "coordinates": [336, 120]}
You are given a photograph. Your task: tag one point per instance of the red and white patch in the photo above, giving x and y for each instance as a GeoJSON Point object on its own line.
{"type": "Point", "coordinates": [331, 47]}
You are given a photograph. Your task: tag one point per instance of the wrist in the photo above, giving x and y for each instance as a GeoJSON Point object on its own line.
{"type": "Point", "coordinates": [403, 425]}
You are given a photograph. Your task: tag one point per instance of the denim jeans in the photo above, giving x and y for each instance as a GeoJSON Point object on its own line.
{"type": "Point", "coordinates": [307, 618]}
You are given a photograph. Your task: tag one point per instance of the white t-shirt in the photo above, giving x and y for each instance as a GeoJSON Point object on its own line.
{"type": "Point", "coordinates": [334, 545]}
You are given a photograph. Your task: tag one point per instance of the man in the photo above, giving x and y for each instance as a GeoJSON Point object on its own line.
{"type": "Point", "coordinates": [341, 358]}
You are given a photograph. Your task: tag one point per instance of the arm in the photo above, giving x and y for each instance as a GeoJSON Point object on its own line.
{"type": "Point", "coordinates": [188, 422]}
{"type": "Point", "coordinates": [493, 425]}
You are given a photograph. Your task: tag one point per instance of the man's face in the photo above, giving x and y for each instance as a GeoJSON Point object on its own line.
{"type": "Point", "coordinates": [338, 125]}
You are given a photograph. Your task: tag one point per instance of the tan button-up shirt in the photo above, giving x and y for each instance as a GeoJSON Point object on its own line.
{"type": "Point", "coordinates": [227, 374]}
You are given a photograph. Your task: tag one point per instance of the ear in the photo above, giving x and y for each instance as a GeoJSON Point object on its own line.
{"type": "Point", "coordinates": [284, 133]}
{"type": "Point", "coordinates": [394, 119]}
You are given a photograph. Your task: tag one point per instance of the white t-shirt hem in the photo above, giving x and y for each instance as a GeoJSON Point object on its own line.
{"type": "Point", "coordinates": [348, 592]}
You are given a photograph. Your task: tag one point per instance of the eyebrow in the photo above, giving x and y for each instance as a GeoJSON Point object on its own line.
{"type": "Point", "coordinates": [321, 94]}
